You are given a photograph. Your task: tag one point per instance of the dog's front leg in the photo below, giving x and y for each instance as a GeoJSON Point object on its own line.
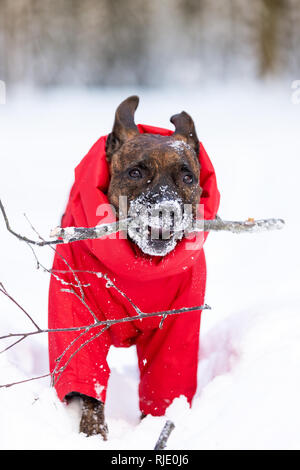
{"type": "Point", "coordinates": [93, 419]}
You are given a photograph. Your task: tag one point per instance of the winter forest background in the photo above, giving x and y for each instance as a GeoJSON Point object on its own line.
{"type": "Point", "coordinates": [133, 42]}
{"type": "Point", "coordinates": [234, 65]}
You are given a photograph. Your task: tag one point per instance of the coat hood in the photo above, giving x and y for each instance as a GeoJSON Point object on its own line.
{"type": "Point", "coordinates": [121, 255]}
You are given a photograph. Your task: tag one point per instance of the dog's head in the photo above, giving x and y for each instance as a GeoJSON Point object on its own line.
{"type": "Point", "coordinates": [157, 175]}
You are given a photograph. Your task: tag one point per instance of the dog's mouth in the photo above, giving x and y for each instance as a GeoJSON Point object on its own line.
{"type": "Point", "coordinates": [155, 241]}
{"type": "Point", "coordinates": [161, 233]}
{"type": "Point", "coordinates": [157, 228]}
{"type": "Point", "coordinates": [157, 234]}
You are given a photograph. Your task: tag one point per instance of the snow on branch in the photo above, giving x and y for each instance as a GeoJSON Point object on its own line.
{"type": "Point", "coordinates": [73, 234]}
{"type": "Point", "coordinates": [164, 435]}
{"type": "Point", "coordinates": [250, 225]}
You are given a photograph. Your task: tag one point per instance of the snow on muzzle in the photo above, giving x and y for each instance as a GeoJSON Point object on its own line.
{"type": "Point", "coordinates": [157, 227]}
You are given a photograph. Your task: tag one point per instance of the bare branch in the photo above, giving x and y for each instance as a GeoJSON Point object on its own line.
{"type": "Point", "coordinates": [75, 352]}
{"type": "Point", "coordinates": [4, 291]}
{"type": "Point", "coordinates": [13, 344]}
{"type": "Point", "coordinates": [71, 234]}
{"type": "Point", "coordinates": [250, 225]}
{"type": "Point", "coordinates": [79, 285]}
{"type": "Point", "coordinates": [164, 435]}
{"type": "Point", "coordinates": [112, 322]}
{"type": "Point", "coordinates": [84, 329]}
{"type": "Point", "coordinates": [106, 324]}
{"type": "Point", "coordinates": [23, 381]}
{"type": "Point", "coordinates": [80, 297]}
{"type": "Point", "coordinates": [21, 237]}
{"type": "Point", "coordinates": [102, 230]}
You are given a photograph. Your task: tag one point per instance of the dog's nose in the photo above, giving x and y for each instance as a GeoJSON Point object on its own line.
{"type": "Point", "coordinates": [161, 193]}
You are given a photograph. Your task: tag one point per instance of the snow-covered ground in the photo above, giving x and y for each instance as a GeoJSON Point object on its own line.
{"type": "Point", "coordinates": [249, 366]}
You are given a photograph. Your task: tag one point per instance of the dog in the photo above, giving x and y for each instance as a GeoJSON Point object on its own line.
{"type": "Point", "coordinates": [155, 174]}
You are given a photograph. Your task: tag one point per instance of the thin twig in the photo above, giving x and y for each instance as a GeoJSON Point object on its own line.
{"type": "Point", "coordinates": [79, 285]}
{"type": "Point", "coordinates": [23, 381]}
{"type": "Point", "coordinates": [21, 237]}
{"type": "Point", "coordinates": [100, 231]}
{"type": "Point", "coordinates": [4, 291]}
{"type": "Point", "coordinates": [78, 349]}
{"type": "Point", "coordinates": [112, 322]}
{"type": "Point", "coordinates": [13, 344]}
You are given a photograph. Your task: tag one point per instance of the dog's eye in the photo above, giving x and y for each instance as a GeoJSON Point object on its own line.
{"type": "Point", "coordinates": [135, 173]}
{"type": "Point", "coordinates": [188, 178]}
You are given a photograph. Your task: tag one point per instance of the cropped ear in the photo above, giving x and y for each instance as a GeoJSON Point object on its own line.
{"type": "Point", "coordinates": [124, 127]}
{"type": "Point", "coordinates": [185, 130]}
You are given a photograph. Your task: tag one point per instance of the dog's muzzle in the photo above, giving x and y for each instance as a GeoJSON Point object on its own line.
{"type": "Point", "coordinates": [157, 223]}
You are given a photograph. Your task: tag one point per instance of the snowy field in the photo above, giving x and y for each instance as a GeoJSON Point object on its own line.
{"type": "Point", "coordinates": [249, 365]}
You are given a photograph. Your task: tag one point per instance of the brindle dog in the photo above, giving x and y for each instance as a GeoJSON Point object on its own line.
{"type": "Point", "coordinates": [152, 170]}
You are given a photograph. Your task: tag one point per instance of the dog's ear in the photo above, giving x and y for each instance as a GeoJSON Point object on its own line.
{"type": "Point", "coordinates": [185, 130]}
{"type": "Point", "coordinates": [124, 127]}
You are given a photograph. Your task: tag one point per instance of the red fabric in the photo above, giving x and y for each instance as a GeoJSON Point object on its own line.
{"type": "Point", "coordinates": [167, 357]}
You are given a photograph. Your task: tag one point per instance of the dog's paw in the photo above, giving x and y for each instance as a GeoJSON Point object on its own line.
{"type": "Point", "coordinates": [92, 419]}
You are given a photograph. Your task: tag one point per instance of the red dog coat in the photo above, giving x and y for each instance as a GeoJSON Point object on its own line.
{"type": "Point", "coordinates": [167, 357]}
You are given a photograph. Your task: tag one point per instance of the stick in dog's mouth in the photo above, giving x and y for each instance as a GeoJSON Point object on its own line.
{"type": "Point", "coordinates": [158, 226]}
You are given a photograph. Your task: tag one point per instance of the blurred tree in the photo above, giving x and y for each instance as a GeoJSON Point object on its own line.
{"type": "Point", "coordinates": [133, 42]}
{"type": "Point", "coordinates": [272, 13]}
